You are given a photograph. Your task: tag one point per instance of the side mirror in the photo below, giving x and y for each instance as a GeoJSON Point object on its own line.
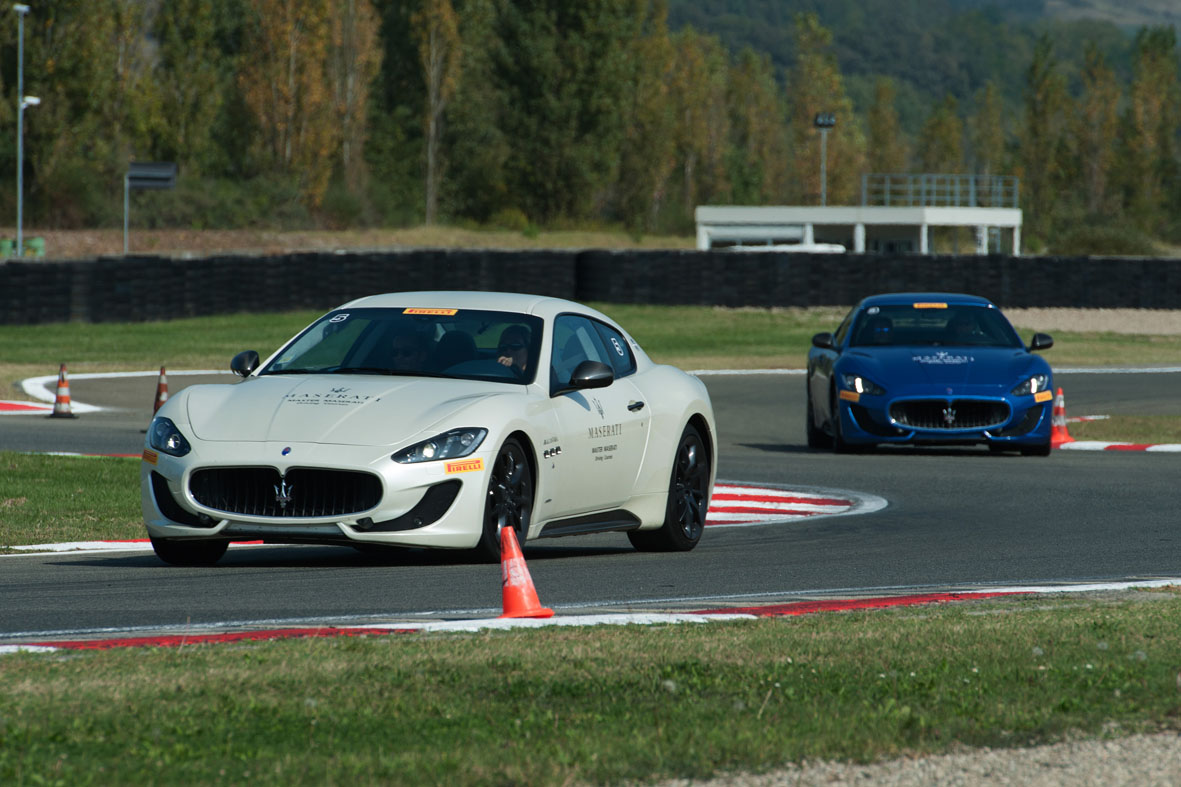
{"type": "Point", "coordinates": [592, 374]}
{"type": "Point", "coordinates": [1041, 341]}
{"type": "Point", "coordinates": [244, 363]}
{"type": "Point", "coordinates": [823, 340]}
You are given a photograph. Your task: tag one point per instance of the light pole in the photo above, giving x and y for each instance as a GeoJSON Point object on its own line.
{"type": "Point", "coordinates": [824, 121]}
{"type": "Point", "coordinates": [21, 101]}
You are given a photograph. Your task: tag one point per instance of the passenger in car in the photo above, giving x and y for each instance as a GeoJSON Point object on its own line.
{"type": "Point", "coordinates": [408, 351]}
{"type": "Point", "coordinates": [513, 348]}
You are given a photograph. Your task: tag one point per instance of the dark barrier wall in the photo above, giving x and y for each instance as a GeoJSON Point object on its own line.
{"type": "Point", "coordinates": [160, 288]}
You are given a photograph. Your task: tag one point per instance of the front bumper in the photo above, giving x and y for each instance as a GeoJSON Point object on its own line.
{"type": "Point", "coordinates": [995, 420]}
{"type": "Point", "coordinates": [430, 504]}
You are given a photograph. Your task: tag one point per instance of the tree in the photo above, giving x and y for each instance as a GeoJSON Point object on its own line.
{"type": "Point", "coordinates": [284, 81]}
{"type": "Point", "coordinates": [701, 131]}
{"type": "Point", "coordinates": [647, 153]}
{"type": "Point", "coordinates": [1151, 126]}
{"type": "Point", "coordinates": [559, 70]}
{"type": "Point", "coordinates": [759, 168]}
{"type": "Point", "coordinates": [941, 141]}
{"type": "Point", "coordinates": [815, 85]}
{"type": "Point", "coordinates": [1096, 126]}
{"type": "Point", "coordinates": [439, 47]}
{"type": "Point", "coordinates": [887, 147]}
{"type": "Point", "coordinates": [986, 129]}
{"type": "Point", "coordinates": [1043, 140]}
{"type": "Point", "coordinates": [355, 60]}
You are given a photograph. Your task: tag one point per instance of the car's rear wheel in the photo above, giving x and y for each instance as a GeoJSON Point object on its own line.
{"type": "Point", "coordinates": [182, 552]}
{"type": "Point", "coordinates": [816, 436]}
{"type": "Point", "coordinates": [688, 500]}
{"type": "Point", "coordinates": [509, 502]}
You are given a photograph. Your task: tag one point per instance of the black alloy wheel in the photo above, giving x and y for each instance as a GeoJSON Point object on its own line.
{"type": "Point", "coordinates": [688, 500]}
{"type": "Point", "coordinates": [816, 436]}
{"type": "Point", "coordinates": [509, 501]}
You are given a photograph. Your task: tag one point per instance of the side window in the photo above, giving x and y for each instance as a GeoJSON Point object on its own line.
{"type": "Point", "coordinates": [575, 341]}
{"type": "Point", "coordinates": [618, 351]}
{"type": "Point", "coordinates": [839, 336]}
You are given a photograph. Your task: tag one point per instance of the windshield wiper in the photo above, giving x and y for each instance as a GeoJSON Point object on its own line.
{"type": "Point", "coordinates": [360, 370]}
{"type": "Point", "coordinates": [292, 371]}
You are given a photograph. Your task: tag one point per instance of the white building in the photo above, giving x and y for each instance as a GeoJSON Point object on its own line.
{"type": "Point", "coordinates": [927, 201]}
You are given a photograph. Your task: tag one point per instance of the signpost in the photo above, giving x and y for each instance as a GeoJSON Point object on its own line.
{"type": "Point", "coordinates": [145, 175]}
{"type": "Point", "coordinates": [824, 121]}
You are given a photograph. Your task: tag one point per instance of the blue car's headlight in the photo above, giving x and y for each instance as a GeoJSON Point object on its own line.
{"type": "Point", "coordinates": [855, 382]}
{"type": "Point", "coordinates": [164, 436]}
{"type": "Point", "coordinates": [449, 445]}
{"type": "Point", "coordinates": [1034, 385]}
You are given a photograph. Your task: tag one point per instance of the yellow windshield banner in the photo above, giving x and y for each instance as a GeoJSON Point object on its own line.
{"type": "Point", "coordinates": [921, 305]}
{"type": "Point", "coordinates": [420, 310]}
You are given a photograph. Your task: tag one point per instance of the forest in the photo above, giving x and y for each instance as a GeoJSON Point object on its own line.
{"type": "Point", "coordinates": [529, 114]}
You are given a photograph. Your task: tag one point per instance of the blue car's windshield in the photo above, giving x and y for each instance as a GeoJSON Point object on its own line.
{"type": "Point", "coordinates": [933, 324]}
{"type": "Point", "coordinates": [412, 341]}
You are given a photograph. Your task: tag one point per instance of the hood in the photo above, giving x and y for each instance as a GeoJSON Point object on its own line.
{"type": "Point", "coordinates": [962, 368]}
{"type": "Point", "coordinates": [335, 410]}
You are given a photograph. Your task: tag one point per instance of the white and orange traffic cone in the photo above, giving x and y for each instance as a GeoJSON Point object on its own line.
{"type": "Point", "coordinates": [520, 597]}
{"type": "Point", "coordinates": [61, 402]}
{"type": "Point", "coordinates": [161, 391]}
{"type": "Point", "coordinates": [1058, 433]}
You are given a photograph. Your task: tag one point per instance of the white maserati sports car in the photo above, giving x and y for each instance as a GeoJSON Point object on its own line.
{"type": "Point", "coordinates": [433, 419]}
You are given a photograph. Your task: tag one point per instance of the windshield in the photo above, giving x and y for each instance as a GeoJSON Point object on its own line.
{"type": "Point", "coordinates": [435, 342]}
{"type": "Point", "coordinates": [933, 324]}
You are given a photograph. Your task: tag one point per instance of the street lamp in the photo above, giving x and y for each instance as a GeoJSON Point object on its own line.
{"type": "Point", "coordinates": [824, 121]}
{"type": "Point", "coordinates": [22, 101]}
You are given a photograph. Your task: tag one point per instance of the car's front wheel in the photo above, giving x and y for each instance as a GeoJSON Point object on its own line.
{"type": "Point", "coordinates": [509, 502]}
{"type": "Point", "coordinates": [1040, 449]}
{"type": "Point", "coordinates": [182, 552]}
{"type": "Point", "coordinates": [688, 500]}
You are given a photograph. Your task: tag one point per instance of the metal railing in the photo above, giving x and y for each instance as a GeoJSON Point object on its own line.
{"type": "Point", "coordinates": [931, 190]}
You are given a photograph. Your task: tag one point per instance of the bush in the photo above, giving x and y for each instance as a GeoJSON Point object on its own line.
{"type": "Point", "coordinates": [510, 219]}
{"type": "Point", "coordinates": [1104, 240]}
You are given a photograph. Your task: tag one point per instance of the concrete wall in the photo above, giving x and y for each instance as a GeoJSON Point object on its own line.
{"type": "Point", "coordinates": [159, 288]}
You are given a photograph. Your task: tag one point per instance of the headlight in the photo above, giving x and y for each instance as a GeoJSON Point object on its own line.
{"type": "Point", "coordinates": [1035, 384]}
{"type": "Point", "coordinates": [164, 436]}
{"type": "Point", "coordinates": [855, 382]}
{"type": "Point", "coordinates": [449, 445]}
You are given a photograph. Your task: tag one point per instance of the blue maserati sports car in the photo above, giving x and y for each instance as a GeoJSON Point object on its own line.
{"type": "Point", "coordinates": [928, 368]}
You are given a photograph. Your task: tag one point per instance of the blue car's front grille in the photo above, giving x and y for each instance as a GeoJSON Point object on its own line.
{"type": "Point", "coordinates": [303, 492]}
{"type": "Point", "coordinates": [946, 414]}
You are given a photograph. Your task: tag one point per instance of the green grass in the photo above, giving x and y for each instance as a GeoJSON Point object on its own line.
{"type": "Point", "coordinates": [596, 705]}
{"type": "Point", "coordinates": [55, 499]}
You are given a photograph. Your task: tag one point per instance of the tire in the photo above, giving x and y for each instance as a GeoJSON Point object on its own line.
{"type": "Point", "coordinates": [838, 442]}
{"type": "Point", "coordinates": [816, 436]}
{"type": "Point", "coordinates": [509, 502]}
{"type": "Point", "coordinates": [181, 552]}
{"type": "Point", "coordinates": [688, 500]}
{"type": "Point", "coordinates": [1041, 449]}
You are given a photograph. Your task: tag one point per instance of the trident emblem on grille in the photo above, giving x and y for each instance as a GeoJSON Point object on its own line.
{"type": "Point", "coordinates": [949, 415]}
{"type": "Point", "coordinates": [283, 493]}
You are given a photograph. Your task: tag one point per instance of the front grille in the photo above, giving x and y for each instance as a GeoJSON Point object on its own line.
{"type": "Point", "coordinates": [944, 414]}
{"type": "Point", "coordinates": [303, 492]}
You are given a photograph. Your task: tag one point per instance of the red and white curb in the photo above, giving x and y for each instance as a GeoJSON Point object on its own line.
{"type": "Point", "coordinates": [1095, 445]}
{"type": "Point", "coordinates": [204, 635]}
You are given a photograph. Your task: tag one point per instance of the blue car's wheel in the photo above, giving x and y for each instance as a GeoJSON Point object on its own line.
{"type": "Point", "coordinates": [838, 441]}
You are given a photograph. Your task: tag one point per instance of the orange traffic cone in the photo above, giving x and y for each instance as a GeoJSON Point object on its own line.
{"type": "Point", "coordinates": [520, 597]}
{"type": "Point", "coordinates": [161, 391]}
{"type": "Point", "coordinates": [1058, 433]}
{"type": "Point", "coordinates": [61, 403]}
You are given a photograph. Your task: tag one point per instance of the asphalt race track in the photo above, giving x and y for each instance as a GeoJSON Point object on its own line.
{"type": "Point", "coordinates": [957, 518]}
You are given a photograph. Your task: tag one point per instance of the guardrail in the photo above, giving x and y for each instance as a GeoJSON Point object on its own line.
{"type": "Point", "coordinates": [122, 289]}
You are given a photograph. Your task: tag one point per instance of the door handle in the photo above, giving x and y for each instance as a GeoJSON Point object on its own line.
{"type": "Point", "coordinates": [635, 407]}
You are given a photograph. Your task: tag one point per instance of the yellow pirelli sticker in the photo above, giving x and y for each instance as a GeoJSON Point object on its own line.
{"type": "Point", "coordinates": [851, 396]}
{"type": "Point", "coordinates": [464, 466]}
{"type": "Point", "coordinates": [1043, 396]}
{"type": "Point", "coordinates": [420, 310]}
{"type": "Point", "coordinates": [150, 456]}
{"type": "Point", "coordinates": [922, 305]}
